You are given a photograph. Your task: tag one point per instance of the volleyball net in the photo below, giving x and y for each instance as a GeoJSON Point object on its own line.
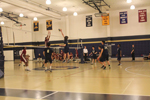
{"type": "Point", "coordinates": [14, 41]}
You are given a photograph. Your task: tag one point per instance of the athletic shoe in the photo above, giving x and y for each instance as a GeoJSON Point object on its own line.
{"type": "Point", "coordinates": [50, 70]}
{"type": "Point", "coordinates": [68, 61]}
{"type": "Point", "coordinates": [64, 61]}
{"type": "Point", "coordinates": [118, 64]}
{"type": "Point", "coordinates": [46, 70]}
{"type": "Point", "coordinates": [109, 67]}
{"type": "Point", "coordinates": [43, 65]}
{"type": "Point", "coordinates": [102, 66]}
{"type": "Point", "coordinates": [27, 70]}
{"type": "Point", "coordinates": [19, 64]}
{"type": "Point", "coordinates": [91, 63]}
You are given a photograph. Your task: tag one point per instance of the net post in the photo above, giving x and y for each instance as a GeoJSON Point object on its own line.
{"type": "Point", "coordinates": [82, 61]}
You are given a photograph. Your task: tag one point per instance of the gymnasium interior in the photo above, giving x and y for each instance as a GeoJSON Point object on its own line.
{"type": "Point", "coordinates": [87, 23]}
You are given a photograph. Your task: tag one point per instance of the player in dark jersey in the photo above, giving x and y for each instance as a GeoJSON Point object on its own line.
{"type": "Point", "coordinates": [106, 55]}
{"type": "Point", "coordinates": [94, 57]}
{"type": "Point", "coordinates": [66, 47]}
{"type": "Point", "coordinates": [47, 38]}
{"type": "Point", "coordinates": [133, 53]}
{"type": "Point", "coordinates": [46, 41]}
{"type": "Point", "coordinates": [24, 58]}
{"type": "Point", "coordinates": [48, 53]}
{"type": "Point", "coordinates": [101, 58]}
{"type": "Point", "coordinates": [119, 54]}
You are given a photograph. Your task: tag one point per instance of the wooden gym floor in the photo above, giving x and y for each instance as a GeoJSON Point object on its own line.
{"type": "Point", "coordinates": [131, 81]}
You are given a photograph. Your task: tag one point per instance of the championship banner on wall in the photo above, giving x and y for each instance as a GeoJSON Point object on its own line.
{"type": "Point", "coordinates": [89, 22]}
{"type": "Point", "coordinates": [49, 24]}
{"type": "Point", "coordinates": [105, 20]}
{"type": "Point", "coordinates": [142, 15]}
{"type": "Point", "coordinates": [123, 17]}
{"type": "Point", "coordinates": [36, 26]}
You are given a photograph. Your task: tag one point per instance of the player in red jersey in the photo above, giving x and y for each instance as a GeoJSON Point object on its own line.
{"type": "Point", "coordinates": [25, 58]}
{"type": "Point", "coordinates": [71, 55]}
{"type": "Point", "coordinates": [77, 54]}
{"type": "Point", "coordinates": [61, 55]}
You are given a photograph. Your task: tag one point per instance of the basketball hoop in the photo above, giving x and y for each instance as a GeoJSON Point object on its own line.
{"type": "Point", "coordinates": [101, 14]}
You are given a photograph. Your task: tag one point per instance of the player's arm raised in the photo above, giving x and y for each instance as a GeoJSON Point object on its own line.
{"type": "Point", "coordinates": [62, 32]}
{"type": "Point", "coordinates": [49, 34]}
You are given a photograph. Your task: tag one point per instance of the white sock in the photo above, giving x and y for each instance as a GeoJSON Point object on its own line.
{"type": "Point", "coordinates": [45, 68]}
{"type": "Point", "coordinates": [50, 67]}
{"type": "Point", "coordinates": [27, 67]}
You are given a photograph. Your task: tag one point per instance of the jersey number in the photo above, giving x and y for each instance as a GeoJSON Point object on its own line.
{"type": "Point", "coordinates": [47, 51]}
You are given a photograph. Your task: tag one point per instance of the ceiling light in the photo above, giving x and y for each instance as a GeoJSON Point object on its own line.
{"type": "Point", "coordinates": [1, 10]}
{"type": "Point", "coordinates": [2, 23]}
{"type": "Point", "coordinates": [35, 19]}
{"type": "Point", "coordinates": [21, 15]}
{"type": "Point", "coordinates": [48, 2]}
{"type": "Point", "coordinates": [132, 7]}
{"type": "Point", "coordinates": [75, 13]}
{"type": "Point", "coordinates": [129, 1]}
{"type": "Point", "coordinates": [64, 9]}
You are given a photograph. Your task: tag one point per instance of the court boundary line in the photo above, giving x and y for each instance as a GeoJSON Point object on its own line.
{"type": "Point", "coordinates": [135, 73]}
{"type": "Point", "coordinates": [49, 95]}
{"type": "Point", "coordinates": [81, 92]}
{"type": "Point", "coordinates": [127, 86]}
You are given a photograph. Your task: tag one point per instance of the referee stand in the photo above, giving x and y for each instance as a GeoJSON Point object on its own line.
{"type": "Point", "coordinates": [1, 56]}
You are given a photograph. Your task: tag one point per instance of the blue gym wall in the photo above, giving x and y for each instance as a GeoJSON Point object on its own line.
{"type": "Point", "coordinates": [142, 45]}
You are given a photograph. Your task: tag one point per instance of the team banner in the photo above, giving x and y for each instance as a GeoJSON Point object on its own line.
{"type": "Point", "coordinates": [123, 17]}
{"type": "Point", "coordinates": [49, 24]}
{"type": "Point", "coordinates": [89, 22]}
{"type": "Point", "coordinates": [105, 20]}
{"type": "Point", "coordinates": [36, 26]}
{"type": "Point", "coordinates": [142, 15]}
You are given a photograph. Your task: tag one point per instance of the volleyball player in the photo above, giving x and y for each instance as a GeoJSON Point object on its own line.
{"type": "Point", "coordinates": [106, 55]}
{"type": "Point", "coordinates": [24, 59]}
{"type": "Point", "coordinates": [46, 41]}
{"type": "Point", "coordinates": [47, 38]}
{"type": "Point", "coordinates": [119, 54]}
{"type": "Point", "coordinates": [101, 58]}
{"type": "Point", "coordinates": [48, 53]}
{"type": "Point", "coordinates": [66, 47]}
{"type": "Point", "coordinates": [76, 54]}
{"type": "Point", "coordinates": [94, 55]}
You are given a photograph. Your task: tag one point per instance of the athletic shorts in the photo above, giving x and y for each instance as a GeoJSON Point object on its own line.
{"type": "Point", "coordinates": [94, 57]}
{"type": "Point", "coordinates": [66, 50]}
{"type": "Point", "coordinates": [48, 60]}
{"type": "Point", "coordinates": [102, 59]}
{"type": "Point", "coordinates": [23, 59]}
{"type": "Point", "coordinates": [119, 58]}
{"type": "Point", "coordinates": [107, 57]}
